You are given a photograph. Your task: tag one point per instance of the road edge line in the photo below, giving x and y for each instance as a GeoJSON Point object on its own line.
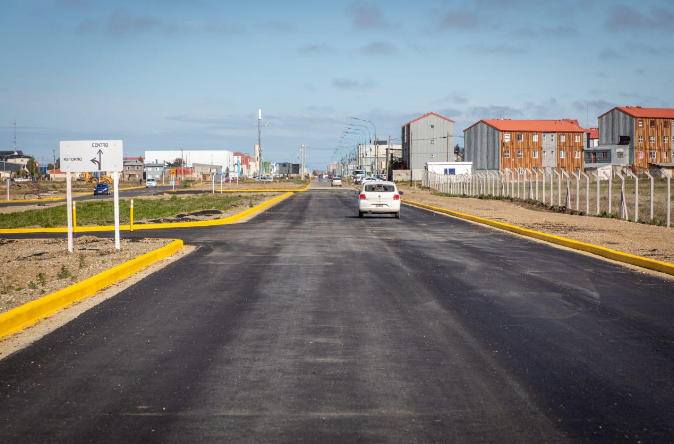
{"type": "Point", "coordinates": [141, 227]}
{"type": "Point", "coordinates": [619, 256]}
{"type": "Point", "coordinates": [28, 314]}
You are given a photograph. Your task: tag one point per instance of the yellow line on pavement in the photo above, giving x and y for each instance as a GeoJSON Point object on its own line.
{"type": "Point", "coordinates": [619, 256]}
{"type": "Point", "coordinates": [138, 227]}
{"type": "Point", "coordinates": [28, 314]}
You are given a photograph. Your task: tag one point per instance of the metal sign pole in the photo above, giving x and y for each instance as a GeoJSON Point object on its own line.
{"type": "Point", "coordinates": [69, 210]}
{"type": "Point", "coordinates": [115, 179]}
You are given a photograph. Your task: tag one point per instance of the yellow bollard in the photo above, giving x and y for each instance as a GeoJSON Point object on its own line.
{"type": "Point", "coordinates": [74, 217]}
{"type": "Point", "coordinates": [131, 218]}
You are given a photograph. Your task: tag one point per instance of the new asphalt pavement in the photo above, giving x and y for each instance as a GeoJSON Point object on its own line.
{"type": "Point", "coordinates": [308, 324]}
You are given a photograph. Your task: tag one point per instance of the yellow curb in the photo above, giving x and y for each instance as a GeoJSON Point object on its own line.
{"type": "Point", "coordinates": [619, 256]}
{"type": "Point", "coordinates": [28, 314]}
{"type": "Point", "coordinates": [138, 227]}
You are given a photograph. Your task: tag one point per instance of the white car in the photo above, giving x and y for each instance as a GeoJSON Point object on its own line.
{"type": "Point", "coordinates": [150, 183]}
{"type": "Point", "coordinates": [336, 181]}
{"type": "Point", "coordinates": [379, 197]}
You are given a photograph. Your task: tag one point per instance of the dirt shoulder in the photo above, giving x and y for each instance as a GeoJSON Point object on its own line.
{"type": "Point", "coordinates": [33, 268]}
{"type": "Point", "coordinates": [649, 241]}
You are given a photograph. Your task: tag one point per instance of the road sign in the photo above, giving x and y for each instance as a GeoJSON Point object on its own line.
{"type": "Point", "coordinates": [173, 172]}
{"type": "Point", "coordinates": [79, 156]}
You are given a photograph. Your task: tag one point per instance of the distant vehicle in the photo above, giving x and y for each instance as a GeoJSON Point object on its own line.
{"type": "Point", "coordinates": [102, 188]}
{"type": "Point", "coordinates": [359, 173]}
{"type": "Point", "coordinates": [367, 179]}
{"type": "Point", "coordinates": [379, 177]}
{"type": "Point", "coordinates": [150, 183]}
{"type": "Point", "coordinates": [21, 179]}
{"type": "Point", "coordinates": [379, 197]}
{"type": "Point", "coordinates": [358, 179]}
{"type": "Point", "coordinates": [266, 179]}
{"type": "Point", "coordinates": [336, 181]}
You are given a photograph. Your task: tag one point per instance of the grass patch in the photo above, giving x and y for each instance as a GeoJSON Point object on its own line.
{"type": "Point", "coordinates": [101, 212]}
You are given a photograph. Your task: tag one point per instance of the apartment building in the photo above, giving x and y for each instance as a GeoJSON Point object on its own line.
{"type": "Point", "coordinates": [429, 138]}
{"type": "Point", "coordinates": [505, 144]}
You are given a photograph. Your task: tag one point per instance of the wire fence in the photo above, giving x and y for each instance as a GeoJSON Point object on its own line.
{"type": "Point", "coordinates": [624, 195]}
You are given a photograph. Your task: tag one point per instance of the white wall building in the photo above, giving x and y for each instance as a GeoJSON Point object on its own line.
{"type": "Point", "coordinates": [223, 158]}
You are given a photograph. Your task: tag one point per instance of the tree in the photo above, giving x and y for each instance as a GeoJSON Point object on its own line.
{"type": "Point", "coordinates": [178, 163]}
{"type": "Point", "coordinates": [31, 167]}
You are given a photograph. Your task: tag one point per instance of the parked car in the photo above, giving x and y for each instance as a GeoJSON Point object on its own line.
{"type": "Point", "coordinates": [150, 183]}
{"type": "Point", "coordinates": [379, 197]}
{"type": "Point", "coordinates": [102, 188]}
{"type": "Point", "coordinates": [336, 181]}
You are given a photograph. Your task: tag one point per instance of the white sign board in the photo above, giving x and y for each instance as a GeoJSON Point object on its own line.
{"type": "Point", "coordinates": [79, 156]}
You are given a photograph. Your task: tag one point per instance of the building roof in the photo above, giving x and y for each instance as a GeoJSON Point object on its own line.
{"type": "Point", "coordinates": [429, 114]}
{"type": "Point", "coordinates": [593, 132]}
{"type": "Point", "coordinates": [637, 111]}
{"type": "Point", "coordinates": [544, 126]}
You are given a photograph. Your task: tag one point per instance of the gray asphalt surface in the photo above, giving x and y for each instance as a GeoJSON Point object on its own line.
{"type": "Point", "coordinates": [308, 324]}
{"type": "Point", "coordinates": [123, 194]}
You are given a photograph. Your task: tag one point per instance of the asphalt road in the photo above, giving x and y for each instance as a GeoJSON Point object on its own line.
{"type": "Point", "coordinates": [308, 324]}
{"type": "Point", "coordinates": [136, 192]}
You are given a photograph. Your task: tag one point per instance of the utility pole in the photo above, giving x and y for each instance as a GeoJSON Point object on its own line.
{"type": "Point", "coordinates": [388, 150]}
{"type": "Point", "coordinates": [15, 134]}
{"type": "Point", "coordinates": [259, 139]}
{"type": "Point", "coordinates": [302, 161]}
{"type": "Point", "coordinates": [182, 165]}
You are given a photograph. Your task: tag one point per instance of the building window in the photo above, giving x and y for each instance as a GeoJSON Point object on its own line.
{"type": "Point", "coordinates": [640, 155]}
{"type": "Point", "coordinates": [520, 137]}
{"type": "Point", "coordinates": [545, 154]}
{"type": "Point", "coordinates": [641, 123]}
{"type": "Point", "coordinates": [665, 140]}
{"type": "Point", "coordinates": [562, 154]}
{"type": "Point", "coordinates": [604, 154]}
{"type": "Point", "coordinates": [534, 138]}
{"type": "Point", "coordinates": [520, 154]}
{"type": "Point", "coordinates": [652, 154]}
{"type": "Point", "coordinates": [552, 137]}
{"type": "Point", "coordinates": [577, 138]}
{"type": "Point", "coordinates": [562, 138]}
{"type": "Point", "coordinates": [535, 154]}
{"type": "Point", "coordinates": [544, 137]}
{"type": "Point", "coordinates": [651, 139]}
{"type": "Point", "coordinates": [577, 154]}
{"type": "Point", "coordinates": [620, 154]}
{"type": "Point", "coordinates": [641, 139]}
{"type": "Point", "coordinates": [664, 154]}
{"type": "Point", "coordinates": [432, 141]}
{"type": "Point", "coordinates": [432, 126]}
{"type": "Point", "coordinates": [652, 123]}
{"type": "Point", "coordinates": [506, 137]}
{"type": "Point", "coordinates": [506, 154]}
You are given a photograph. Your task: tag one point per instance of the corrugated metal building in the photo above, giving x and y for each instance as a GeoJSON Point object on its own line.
{"type": "Point", "coordinates": [429, 138]}
{"type": "Point", "coordinates": [644, 136]}
{"type": "Point", "coordinates": [500, 144]}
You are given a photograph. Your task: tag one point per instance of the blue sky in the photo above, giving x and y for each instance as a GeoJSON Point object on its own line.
{"type": "Point", "coordinates": [172, 74]}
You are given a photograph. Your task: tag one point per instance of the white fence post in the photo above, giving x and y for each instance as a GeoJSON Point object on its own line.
{"type": "Point", "coordinates": [623, 204]}
{"type": "Point", "coordinates": [669, 200]}
{"type": "Point", "coordinates": [610, 186]}
{"type": "Point", "coordinates": [651, 178]}
{"type": "Point", "coordinates": [587, 191]}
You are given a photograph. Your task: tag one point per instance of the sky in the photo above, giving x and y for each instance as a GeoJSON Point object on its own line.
{"type": "Point", "coordinates": [191, 74]}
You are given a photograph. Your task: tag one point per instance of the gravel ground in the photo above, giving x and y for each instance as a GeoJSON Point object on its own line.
{"type": "Point", "coordinates": [640, 239]}
{"type": "Point", "coordinates": [36, 267]}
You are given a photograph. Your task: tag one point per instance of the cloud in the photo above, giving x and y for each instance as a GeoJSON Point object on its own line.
{"type": "Point", "coordinates": [366, 16]}
{"type": "Point", "coordinates": [458, 20]}
{"type": "Point", "coordinates": [348, 84]}
{"type": "Point", "coordinates": [497, 49]}
{"type": "Point", "coordinates": [315, 49]}
{"type": "Point", "coordinates": [120, 23]}
{"type": "Point", "coordinates": [87, 26]}
{"type": "Point", "coordinates": [206, 119]}
{"type": "Point", "coordinates": [492, 112]}
{"type": "Point", "coordinates": [528, 31]}
{"type": "Point", "coordinates": [549, 108]}
{"type": "Point", "coordinates": [281, 26]}
{"type": "Point", "coordinates": [455, 97]}
{"type": "Point", "coordinates": [378, 49]}
{"type": "Point", "coordinates": [596, 106]}
{"type": "Point", "coordinates": [608, 54]}
{"type": "Point", "coordinates": [623, 17]}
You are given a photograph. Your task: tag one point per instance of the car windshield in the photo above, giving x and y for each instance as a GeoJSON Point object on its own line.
{"type": "Point", "coordinates": [380, 187]}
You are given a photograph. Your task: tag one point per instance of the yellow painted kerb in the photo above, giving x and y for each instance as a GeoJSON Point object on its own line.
{"type": "Point", "coordinates": [28, 314]}
{"type": "Point", "coordinates": [138, 227]}
{"type": "Point", "coordinates": [619, 256]}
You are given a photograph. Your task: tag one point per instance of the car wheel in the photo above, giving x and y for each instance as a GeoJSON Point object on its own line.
{"type": "Point", "coordinates": [360, 214]}
{"type": "Point", "coordinates": [398, 215]}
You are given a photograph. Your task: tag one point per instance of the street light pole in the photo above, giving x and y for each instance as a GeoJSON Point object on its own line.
{"type": "Point", "coordinates": [259, 139]}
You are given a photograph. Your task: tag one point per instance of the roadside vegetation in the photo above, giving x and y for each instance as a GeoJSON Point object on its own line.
{"type": "Point", "coordinates": [101, 212]}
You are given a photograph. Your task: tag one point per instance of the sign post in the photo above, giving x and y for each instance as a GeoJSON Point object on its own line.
{"type": "Point", "coordinates": [82, 156]}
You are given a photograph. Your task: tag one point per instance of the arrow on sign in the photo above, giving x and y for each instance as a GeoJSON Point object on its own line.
{"type": "Point", "coordinates": [98, 162]}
